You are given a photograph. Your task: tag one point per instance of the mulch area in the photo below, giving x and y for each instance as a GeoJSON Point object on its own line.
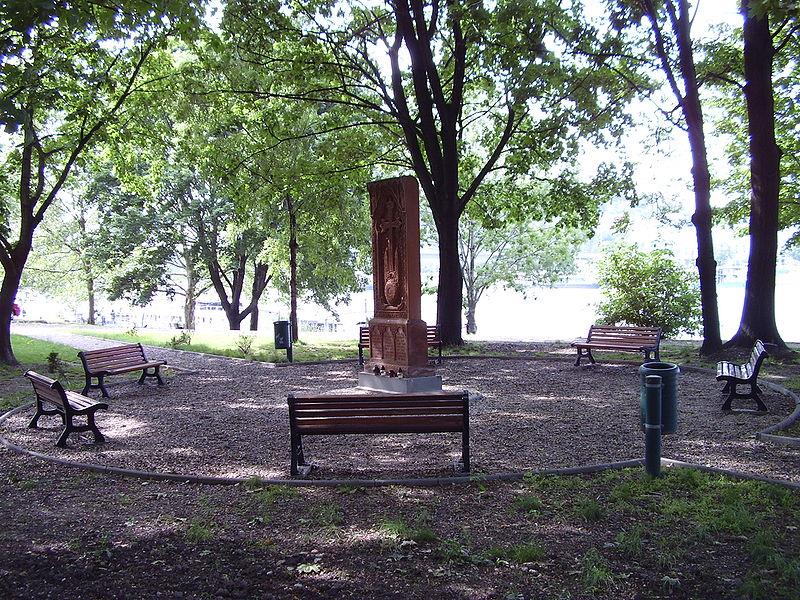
{"type": "Point", "coordinates": [222, 417]}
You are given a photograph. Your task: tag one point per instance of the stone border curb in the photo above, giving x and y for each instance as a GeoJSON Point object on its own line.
{"type": "Point", "coordinates": [766, 435]}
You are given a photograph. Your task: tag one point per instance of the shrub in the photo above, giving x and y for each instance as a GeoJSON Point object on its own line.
{"type": "Point", "coordinates": [177, 341]}
{"type": "Point", "coordinates": [245, 345]}
{"type": "Point", "coordinates": [648, 289]}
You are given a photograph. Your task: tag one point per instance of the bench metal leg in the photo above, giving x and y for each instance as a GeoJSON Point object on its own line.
{"type": "Point", "coordinates": [755, 394]}
{"type": "Point", "coordinates": [91, 386]}
{"type": "Point", "coordinates": [299, 467]}
{"type": "Point", "coordinates": [465, 466]}
{"type": "Point", "coordinates": [360, 356]}
{"type": "Point", "coordinates": [587, 353]}
{"type": "Point", "coordinates": [98, 437]}
{"type": "Point", "coordinates": [155, 374]}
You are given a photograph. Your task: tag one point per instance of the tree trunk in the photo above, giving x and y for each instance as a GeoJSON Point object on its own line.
{"type": "Point", "coordinates": [90, 292]}
{"type": "Point", "coordinates": [234, 317]}
{"type": "Point", "coordinates": [254, 318]}
{"type": "Point", "coordinates": [450, 293]}
{"type": "Point", "coordinates": [472, 327]}
{"type": "Point", "coordinates": [293, 270]}
{"type": "Point", "coordinates": [190, 300]}
{"type": "Point", "coordinates": [8, 293]}
{"type": "Point", "coordinates": [758, 312]}
{"type": "Point", "coordinates": [692, 110]}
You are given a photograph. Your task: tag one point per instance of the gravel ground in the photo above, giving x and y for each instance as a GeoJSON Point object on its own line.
{"type": "Point", "coordinates": [218, 416]}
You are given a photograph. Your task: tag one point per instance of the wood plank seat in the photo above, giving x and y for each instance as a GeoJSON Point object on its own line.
{"type": "Point", "coordinates": [432, 336]}
{"type": "Point", "coordinates": [745, 374]}
{"type": "Point", "coordinates": [53, 399]}
{"type": "Point", "coordinates": [619, 338]}
{"type": "Point", "coordinates": [116, 360]}
{"type": "Point", "coordinates": [438, 412]}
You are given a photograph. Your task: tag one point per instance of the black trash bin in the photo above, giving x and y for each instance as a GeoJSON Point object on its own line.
{"type": "Point", "coordinates": [669, 393]}
{"type": "Point", "coordinates": [283, 339]}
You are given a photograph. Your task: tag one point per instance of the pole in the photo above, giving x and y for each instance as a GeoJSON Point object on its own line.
{"type": "Point", "coordinates": [652, 426]}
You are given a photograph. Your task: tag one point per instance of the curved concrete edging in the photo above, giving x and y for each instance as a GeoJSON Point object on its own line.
{"type": "Point", "coordinates": [766, 435]}
{"type": "Point", "coordinates": [411, 482]}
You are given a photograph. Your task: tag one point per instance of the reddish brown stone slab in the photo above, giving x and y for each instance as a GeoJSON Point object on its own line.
{"type": "Point", "coordinates": [398, 344]}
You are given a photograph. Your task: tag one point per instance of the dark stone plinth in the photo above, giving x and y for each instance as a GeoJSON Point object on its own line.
{"type": "Point", "coordinates": [399, 385]}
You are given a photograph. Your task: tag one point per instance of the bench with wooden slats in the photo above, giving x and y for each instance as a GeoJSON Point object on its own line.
{"type": "Point", "coordinates": [127, 358]}
{"type": "Point", "coordinates": [439, 412]}
{"type": "Point", "coordinates": [746, 374]}
{"type": "Point", "coordinates": [619, 338]}
{"type": "Point", "coordinates": [53, 399]}
{"type": "Point", "coordinates": [432, 336]}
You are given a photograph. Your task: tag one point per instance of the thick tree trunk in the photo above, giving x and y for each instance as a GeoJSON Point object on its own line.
{"type": "Point", "coordinates": [90, 292]}
{"type": "Point", "coordinates": [234, 317]}
{"type": "Point", "coordinates": [450, 293]}
{"type": "Point", "coordinates": [8, 293]}
{"type": "Point", "coordinates": [293, 271]}
{"type": "Point", "coordinates": [758, 312]}
{"type": "Point", "coordinates": [189, 304]}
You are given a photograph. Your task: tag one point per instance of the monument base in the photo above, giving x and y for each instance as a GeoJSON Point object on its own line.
{"type": "Point", "coordinates": [399, 385]}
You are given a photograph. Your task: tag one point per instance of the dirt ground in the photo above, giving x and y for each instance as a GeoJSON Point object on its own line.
{"type": "Point", "coordinates": [71, 533]}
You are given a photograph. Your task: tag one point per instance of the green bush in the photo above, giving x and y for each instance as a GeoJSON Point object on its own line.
{"type": "Point", "coordinates": [648, 289]}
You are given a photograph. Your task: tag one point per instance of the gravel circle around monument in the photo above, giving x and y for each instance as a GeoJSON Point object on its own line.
{"type": "Point", "coordinates": [221, 417]}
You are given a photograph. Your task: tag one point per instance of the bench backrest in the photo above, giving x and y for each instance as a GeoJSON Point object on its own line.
{"type": "Point", "coordinates": [757, 356]}
{"type": "Point", "coordinates": [398, 413]}
{"type": "Point", "coordinates": [111, 358]}
{"type": "Point", "coordinates": [644, 336]}
{"type": "Point", "coordinates": [431, 333]}
{"type": "Point", "coordinates": [49, 390]}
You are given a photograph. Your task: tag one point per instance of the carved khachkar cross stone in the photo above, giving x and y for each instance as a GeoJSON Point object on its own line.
{"type": "Point", "coordinates": [397, 335]}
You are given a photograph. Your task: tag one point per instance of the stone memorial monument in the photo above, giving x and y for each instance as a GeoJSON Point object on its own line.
{"type": "Point", "coordinates": [398, 346]}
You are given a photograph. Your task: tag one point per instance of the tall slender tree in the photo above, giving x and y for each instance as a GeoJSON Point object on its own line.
{"type": "Point", "coordinates": [68, 69]}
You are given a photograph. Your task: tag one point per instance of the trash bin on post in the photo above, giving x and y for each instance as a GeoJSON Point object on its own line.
{"type": "Point", "coordinates": [283, 338]}
{"type": "Point", "coordinates": [669, 393]}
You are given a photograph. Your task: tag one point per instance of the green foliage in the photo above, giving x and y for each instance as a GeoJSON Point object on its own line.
{"type": "Point", "coordinates": [199, 530]}
{"type": "Point", "coordinates": [528, 503]}
{"type": "Point", "coordinates": [596, 575]}
{"type": "Point", "coordinates": [327, 514]}
{"type": "Point", "coordinates": [418, 530]}
{"type": "Point", "coordinates": [180, 341]}
{"type": "Point", "coordinates": [648, 289]}
{"type": "Point", "coordinates": [244, 344]}
{"type": "Point", "coordinates": [590, 510]}
{"type": "Point", "coordinates": [524, 552]}
{"type": "Point", "coordinates": [629, 541]}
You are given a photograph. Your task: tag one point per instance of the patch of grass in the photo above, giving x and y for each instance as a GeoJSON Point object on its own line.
{"type": "Point", "coordinates": [327, 514]}
{"type": "Point", "coordinates": [33, 354]}
{"type": "Point", "coordinates": [259, 347]}
{"type": "Point", "coordinates": [596, 575]}
{"type": "Point", "coordinates": [629, 541]}
{"type": "Point", "coordinates": [454, 551]}
{"type": "Point", "coordinates": [265, 497]}
{"type": "Point", "coordinates": [419, 530]}
{"type": "Point", "coordinates": [199, 530]}
{"type": "Point", "coordinates": [525, 552]}
{"type": "Point", "coordinates": [590, 510]}
{"type": "Point", "coordinates": [11, 400]}
{"type": "Point", "coordinates": [528, 504]}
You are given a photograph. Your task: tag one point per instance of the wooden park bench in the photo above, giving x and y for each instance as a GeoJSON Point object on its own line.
{"type": "Point", "coordinates": [746, 374]}
{"type": "Point", "coordinates": [53, 399]}
{"type": "Point", "coordinates": [620, 339]}
{"type": "Point", "coordinates": [432, 335]}
{"type": "Point", "coordinates": [113, 361]}
{"type": "Point", "coordinates": [437, 412]}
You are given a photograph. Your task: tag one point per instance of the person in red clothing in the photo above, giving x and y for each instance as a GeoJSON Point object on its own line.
{"type": "Point", "coordinates": [15, 310]}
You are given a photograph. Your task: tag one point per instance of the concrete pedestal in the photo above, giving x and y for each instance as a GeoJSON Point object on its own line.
{"type": "Point", "coordinates": [399, 385]}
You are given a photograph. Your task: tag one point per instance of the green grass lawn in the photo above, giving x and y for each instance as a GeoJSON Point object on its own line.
{"type": "Point", "coordinates": [33, 354]}
{"type": "Point", "coordinates": [233, 343]}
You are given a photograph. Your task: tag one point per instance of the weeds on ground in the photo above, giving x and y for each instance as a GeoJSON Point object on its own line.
{"type": "Point", "coordinates": [528, 504]}
{"type": "Point", "coordinates": [418, 530]}
{"type": "Point", "coordinates": [525, 552]}
{"type": "Point", "coordinates": [199, 530]}
{"type": "Point", "coordinates": [596, 575]}
{"type": "Point", "coordinates": [590, 510]}
{"type": "Point", "coordinates": [183, 340]}
{"type": "Point", "coordinates": [327, 514]}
